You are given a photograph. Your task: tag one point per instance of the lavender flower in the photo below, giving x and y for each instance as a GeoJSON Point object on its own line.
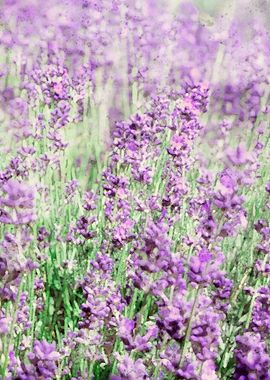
{"type": "Point", "coordinates": [23, 315]}
{"type": "Point", "coordinates": [103, 303]}
{"type": "Point", "coordinates": [205, 267]}
{"type": "Point", "coordinates": [19, 200]}
{"type": "Point", "coordinates": [252, 360]}
{"type": "Point", "coordinates": [206, 335]}
{"type": "Point", "coordinates": [42, 362]}
{"type": "Point", "coordinates": [129, 369]}
{"type": "Point", "coordinates": [260, 316]}
{"type": "Point", "coordinates": [71, 188]}
{"type": "Point", "coordinates": [137, 342]}
{"type": "Point", "coordinates": [90, 201]}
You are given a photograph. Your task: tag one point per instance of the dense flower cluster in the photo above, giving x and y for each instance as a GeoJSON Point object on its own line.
{"type": "Point", "coordinates": [134, 191]}
{"type": "Point", "coordinates": [42, 362]}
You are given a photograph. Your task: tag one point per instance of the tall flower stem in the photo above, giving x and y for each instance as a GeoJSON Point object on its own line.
{"type": "Point", "coordinates": [9, 338]}
{"type": "Point", "coordinates": [188, 330]}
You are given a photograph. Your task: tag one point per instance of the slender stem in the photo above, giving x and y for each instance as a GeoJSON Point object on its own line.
{"type": "Point", "coordinates": [188, 330]}
{"type": "Point", "coordinates": [11, 330]}
{"type": "Point", "coordinates": [240, 286]}
{"type": "Point", "coordinates": [251, 309]}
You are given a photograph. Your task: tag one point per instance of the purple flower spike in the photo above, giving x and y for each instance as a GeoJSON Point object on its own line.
{"type": "Point", "coordinates": [205, 268]}
{"type": "Point", "coordinates": [239, 156]}
{"type": "Point", "coordinates": [43, 362]}
{"type": "Point", "coordinates": [252, 360]}
{"type": "Point", "coordinates": [20, 198]}
{"type": "Point", "coordinates": [128, 369]}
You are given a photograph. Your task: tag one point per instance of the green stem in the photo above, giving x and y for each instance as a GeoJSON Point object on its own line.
{"type": "Point", "coordinates": [188, 330]}
{"type": "Point", "coordinates": [9, 337]}
{"type": "Point", "coordinates": [251, 309]}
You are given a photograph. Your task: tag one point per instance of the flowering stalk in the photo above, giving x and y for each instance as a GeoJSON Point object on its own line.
{"type": "Point", "coordinates": [189, 325]}
{"type": "Point", "coordinates": [9, 336]}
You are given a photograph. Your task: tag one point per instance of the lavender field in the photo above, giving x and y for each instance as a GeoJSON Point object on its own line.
{"type": "Point", "coordinates": [134, 190]}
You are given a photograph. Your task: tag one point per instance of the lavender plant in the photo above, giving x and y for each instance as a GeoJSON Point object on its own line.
{"type": "Point", "coordinates": [134, 192]}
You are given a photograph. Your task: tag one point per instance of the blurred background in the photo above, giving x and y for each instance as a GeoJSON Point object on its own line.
{"type": "Point", "coordinates": [216, 13]}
